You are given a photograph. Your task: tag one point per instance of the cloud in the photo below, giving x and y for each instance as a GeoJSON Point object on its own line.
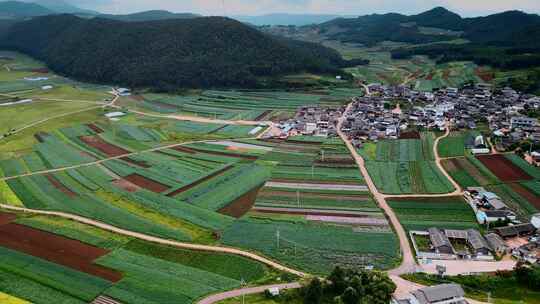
{"type": "Point", "coordinates": [348, 7]}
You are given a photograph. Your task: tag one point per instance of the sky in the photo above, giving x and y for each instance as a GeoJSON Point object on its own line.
{"type": "Point", "coordinates": [466, 8]}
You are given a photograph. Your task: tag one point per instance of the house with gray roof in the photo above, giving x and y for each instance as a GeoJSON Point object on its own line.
{"type": "Point", "coordinates": [439, 294]}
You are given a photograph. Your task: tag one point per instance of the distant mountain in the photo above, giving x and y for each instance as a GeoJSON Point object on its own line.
{"type": "Point", "coordinates": [435, 25]}
{"type": "Point", "coordinates": [286, 19]}
{"type": "Point", "coordinates": [61, 7]}
{"type": "Point", "coordinates": [149, 16]}
{"type": "Point", "coordinates": [166, 54]}
{"type": "Point", "coordinates": [17, 9]}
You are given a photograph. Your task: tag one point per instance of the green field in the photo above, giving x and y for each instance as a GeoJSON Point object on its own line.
{"type": "Point", "coordinates": [405, 166]}
{"type": "Point", "coordinates": [444, 213]}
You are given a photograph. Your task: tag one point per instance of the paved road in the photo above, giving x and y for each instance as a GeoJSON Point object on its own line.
{"type": "Point", "coordinates": [245, 291]}
{"type": "Point", "coordinates": [159, 240]}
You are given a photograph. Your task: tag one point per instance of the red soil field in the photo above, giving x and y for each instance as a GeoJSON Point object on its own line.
{"type": "Point", "coordinates": [103, 146]}
{"type": "Point", "coordinates": [409, 135]}
{"type": "Point", "coordinates": [58, 185]}
{"type": "Point", "coordinates": [503, 168]}
{"type": "Point", "coordinates": [235, 155]}
{"type": "Point", "coordinates": [146, 183]}
{"type": "Point", "coordinates": [94, 128]}
{"type": "Point", "coordinates": [125, 185]}
{"type": "Point", "coordinates": [532, 198]}
{"type": "Point", "coordinates": [141, 164]}
{"type": "Point", "coordinates": [6, 218]}
{"type": "Point", "coordinates": [241, 205]}
{"type": "Point", "coordinates": [429, 76]}
{"type": "Point", "coordinates": [41, 70]}
{"type": "Point", "coordinates": [183, 149]}
{"type": "Point", "coordinates": [56, 249]}
{"type": "Point", "coordinates": [202, 180]}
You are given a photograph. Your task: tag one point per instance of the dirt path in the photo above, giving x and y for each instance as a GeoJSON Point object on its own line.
{"type": "Point", "coordinates": [408, 264]}
{"type": "Point", "coordinates": [245, 291]}
{"type": "Point", "coordinates": [97, 162]}
{"type": "Point", "coordinates": [153, 239]}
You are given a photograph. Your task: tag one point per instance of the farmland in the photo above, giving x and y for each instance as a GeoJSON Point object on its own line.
{"type": "Point", "coordinates": [34, 279]}
{"type": "Point", "coordinates": [238, 105]}
{"type": "Point", "coordinates": [405, 166]}
{"type": "Point", "coordinates": [456, 144]}
{"type": "Point", "coordinates": [508, 175]}
{"type": "Point", "coordinates": [418, 214]}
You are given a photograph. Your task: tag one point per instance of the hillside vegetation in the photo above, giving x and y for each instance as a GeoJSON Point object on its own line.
{"type": "Point", "coordinates": [166, 54]}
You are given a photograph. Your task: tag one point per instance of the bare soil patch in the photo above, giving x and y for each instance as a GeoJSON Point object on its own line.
{"type": "Point", "coordinates": [6, 218]}
{"type": "Point", "coordinates": [409, 135]}
{"type": "Point", "coordinates": [241, 205]}
{"type": "Point", "coordinates": [57, 249]}
{"type": "Point", "coordinates": [103, 146]}
{"type": "Point", "coordinates": [200, 181]}
{"type": "Point", "coordinates": [58, 185]}
{"type": "Point", "coordinates": [503, 168]}
{"type": "Point", "coordinates": [125, 185]}
{"type": "Point", "coordinates": [146, 183]}
{"type": "Point", "coordinates": [532, 198]}
{"type": "Point", "coordinates": [94, 128]}
{"type": "Point", "coordinates": [138, 163]}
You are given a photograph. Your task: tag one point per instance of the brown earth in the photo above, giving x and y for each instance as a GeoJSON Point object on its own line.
{"type": "Point", "coordinates": [198, 182]}
{"type": "Point", "coordinates": [138, 163]}
{"type": "Point", "coordinates": [183, 149]}
{"type": "Point", "coordinates": [241, 205]}
{"type": "Point", "coordinates": [103, 146]}
{"type": "Point", "coordinates": [235, 155]}
{"type": "Point", "coordinates": [6, 218]}
{"type": "Point", "coordinates": [146, 183]}
{"type": "Point", "coordinates": [503, 168]}
{"type": "Point", "coordinates": [532, 198]}
{"type": "Point", "coordinates": [465, 164]}
{"type": "Point", "coordinates": [56, 249]}
{"type": "Point", "coordinates": [94, 128]}
{"type": "Point", "coordinates": [58, 185]}
{"type": "Point", "coordinates": [409, 135]}
{"type": "Point", "coordinates": [125, 185]}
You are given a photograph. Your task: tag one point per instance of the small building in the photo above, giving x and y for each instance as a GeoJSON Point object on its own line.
{"type": "Point", "coordinates": [535, 221]}
{"type": "Point", "coordinates": [496, 243]}
{"type": "Point", "coordinates": [47, 87]}
{"type": "Point", "coordinates": [477, 242]}
{"type": "Point", "coordinates": [439, 294]}
{"type": "Point", "coordinates": [115, 115]}
{"type": "Point", "coordinates": [440, 242]}
{"type": "Point", "coordinates": [515, 230]}
{"type": "Point", "coordinates": [523, 122]}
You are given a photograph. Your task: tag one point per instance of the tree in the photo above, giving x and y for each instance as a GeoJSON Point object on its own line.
{"type": "Point", "coordinates": [356, 283]}
{"type": "Point", "coordinates": [314, 292]}
{"type": "Point", "coordinates": [339, 283]}
{"type": "Point", "coordinates": [350, 296]}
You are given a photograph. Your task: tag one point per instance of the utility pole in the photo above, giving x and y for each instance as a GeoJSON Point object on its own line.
{"type": "Point", "coordinates": [313, 171]}
{"type": "Point", "coordinates": [298, 197]}
{"type": "Point", "coordinates": [277, 238]}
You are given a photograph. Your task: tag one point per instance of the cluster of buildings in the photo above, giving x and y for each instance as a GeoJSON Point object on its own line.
{"type": "Point", "coordinates": [389, 110]}
{"type": "Point", "coordinates": [311, 120]}
{"type": "Point", "coordinates": [488, 207]}
{"type": "Point", "coordinates": [452, 244]}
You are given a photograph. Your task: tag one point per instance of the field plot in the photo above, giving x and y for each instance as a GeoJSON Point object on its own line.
{"type": "Point", "coordinates": [193, 274]}
{"type": "Point", "coordinates": [238, 105]}
{"type": "Point", "coordinates": [503, 168]}
{"type": "Point", "coordinates": [306, 245]}
{"type": "Point", "coordinates": [420, 214]}
{"type": "Point", "coordinates": [456, 143]}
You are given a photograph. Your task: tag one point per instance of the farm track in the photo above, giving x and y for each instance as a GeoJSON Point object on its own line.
{"type": "Point", "coordinates": [158, 240]}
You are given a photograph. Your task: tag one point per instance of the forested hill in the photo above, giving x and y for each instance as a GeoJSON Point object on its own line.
{"type": "Point", "coordinates": [166, 54]}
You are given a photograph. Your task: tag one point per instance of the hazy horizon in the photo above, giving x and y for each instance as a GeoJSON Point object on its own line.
{"type": "Point", "coordinates": [465, 8]}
